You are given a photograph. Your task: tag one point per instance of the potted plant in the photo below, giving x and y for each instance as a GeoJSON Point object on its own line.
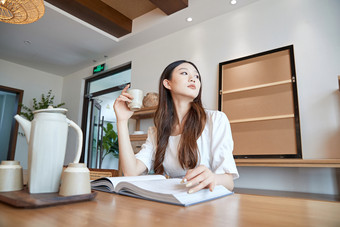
{"type": "Point", "coordinates": [110, 141]}
{"type": "Point", "coordinates": [43, 104]}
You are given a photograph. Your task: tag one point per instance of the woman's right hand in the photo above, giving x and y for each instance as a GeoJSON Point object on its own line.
{"type": "Point", "coordinates": [120, 106]}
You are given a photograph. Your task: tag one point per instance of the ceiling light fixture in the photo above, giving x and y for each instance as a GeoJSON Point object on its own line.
{"type": "Point", "coordinates": [21, 11]}
{"type": "Point", "coordinates": [189, 19]}
{"type": "Point", "coordinates": [233, 2]}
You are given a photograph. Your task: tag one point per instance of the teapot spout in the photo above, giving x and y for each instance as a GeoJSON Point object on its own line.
{"type": "Point", "coordinates": [25, 125]}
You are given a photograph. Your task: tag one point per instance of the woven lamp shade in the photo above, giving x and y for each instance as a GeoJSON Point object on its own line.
{"type": "Point", "coordinates": [21, 11]}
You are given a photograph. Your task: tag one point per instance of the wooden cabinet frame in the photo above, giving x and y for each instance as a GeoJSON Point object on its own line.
{"type": "Point", "coordinates": [258, 93]}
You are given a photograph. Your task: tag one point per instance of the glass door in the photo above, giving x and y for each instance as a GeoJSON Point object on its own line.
{"type": "Point", "coordinates": [9, 106]}
{"type": "Point", "coordinates": [94, 148]}
{"type": "Point", "coordinates": [99, 119]}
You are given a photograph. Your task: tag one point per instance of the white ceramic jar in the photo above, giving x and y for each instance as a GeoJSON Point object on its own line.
{"type": "Point", "coordinates": [11, 178]}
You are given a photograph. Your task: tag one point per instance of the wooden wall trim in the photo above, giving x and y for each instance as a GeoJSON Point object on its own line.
{"type": "Point", "coordinates": [326, 163]}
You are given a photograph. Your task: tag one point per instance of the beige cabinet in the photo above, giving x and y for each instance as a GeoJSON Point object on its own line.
{"type": "Point", "coordinates": [258, 94]}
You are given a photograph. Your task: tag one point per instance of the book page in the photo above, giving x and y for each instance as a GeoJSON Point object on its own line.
{"type": "Point", "coordinates": [116, 180]}
{"type": "Point", "coordinates": [169, 190]}
{"type": "Point", "coordinates": [202, 195]}
{"type": "Point", "coordinates": [162, 186]}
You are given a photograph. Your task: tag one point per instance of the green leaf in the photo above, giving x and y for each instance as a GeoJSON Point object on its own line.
{"type": "Point", "coordinates": [45, 101]}
{"type": "Point", "coordinates": [110, 141]}
{"type": "Point", "coordinates": [109, 127]}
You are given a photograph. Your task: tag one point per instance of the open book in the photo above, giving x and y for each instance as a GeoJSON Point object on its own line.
{"type": "Point", "coordinates": [157, 188]}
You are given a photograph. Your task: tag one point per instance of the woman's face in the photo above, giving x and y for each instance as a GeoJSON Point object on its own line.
{"type": "Point", "coordinates": [184, 82]}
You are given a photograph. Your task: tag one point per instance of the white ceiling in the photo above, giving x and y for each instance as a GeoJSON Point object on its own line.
{"type": "Point", "coordinates": [61, 44]}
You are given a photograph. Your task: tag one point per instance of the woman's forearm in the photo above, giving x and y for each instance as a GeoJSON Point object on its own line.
{"type": "Point", "coordinates": [129, 164]}
{"type": "Point", "coordinates": [226, 180]}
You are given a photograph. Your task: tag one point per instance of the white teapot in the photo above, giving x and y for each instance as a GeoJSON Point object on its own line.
{"type": "Point", "coordinates": [46, 136]}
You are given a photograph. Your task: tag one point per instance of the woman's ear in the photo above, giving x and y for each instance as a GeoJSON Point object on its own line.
{"type": "Point", "coordinates": [166, 84]}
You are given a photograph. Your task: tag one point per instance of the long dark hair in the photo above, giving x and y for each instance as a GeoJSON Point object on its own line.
{"type": "Point", "coordinates": [166, 118]}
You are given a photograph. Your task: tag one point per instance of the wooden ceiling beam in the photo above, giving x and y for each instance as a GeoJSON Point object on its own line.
{"type": "Point", "coordinates": [98, 14]}
{"type": "Point", "coordinates": [170, 6]}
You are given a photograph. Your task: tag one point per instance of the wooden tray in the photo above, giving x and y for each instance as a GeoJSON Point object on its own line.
{"type": "Point", "coordinates": [23, 199]}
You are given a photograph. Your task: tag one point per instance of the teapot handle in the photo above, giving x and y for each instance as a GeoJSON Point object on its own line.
{"type": "Point", "coordinates": [80, 139]}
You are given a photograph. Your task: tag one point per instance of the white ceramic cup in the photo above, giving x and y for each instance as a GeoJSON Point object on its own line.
{"type": "Point", "coordinates": [75, 180]}
{"type": "Point", "coordinates": [11, 178]}
{"type": "Point", "coordinates": [137, 101]}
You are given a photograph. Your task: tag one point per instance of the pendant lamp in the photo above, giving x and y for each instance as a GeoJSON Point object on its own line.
{"type": "Point", "coordinates": [21, 11]}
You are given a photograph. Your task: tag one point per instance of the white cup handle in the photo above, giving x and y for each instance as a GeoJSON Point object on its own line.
{"type": "Point", "coordinates": [80, 139]}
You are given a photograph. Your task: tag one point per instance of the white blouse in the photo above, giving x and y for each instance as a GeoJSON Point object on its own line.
{"type": "Point", "coordinates": [215, 147]}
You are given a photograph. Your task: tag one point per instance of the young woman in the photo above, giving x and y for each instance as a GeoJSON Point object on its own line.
{"type": "Point", "coordinates": [187, 140]}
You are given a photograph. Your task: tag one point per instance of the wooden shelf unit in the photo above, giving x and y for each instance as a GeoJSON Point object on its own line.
{"type": "Point", "coordinates": [143, 113]}
{"type": "Point", "coordinates": [258, 94]}
{"type": "Point", "coordinates": [138, 139]}
{"type": "Point", "coordinates": [262, 118]}
{"type": "Point", "coordinates": [304, 163]}
{"type": "Point", "coordinates": [256, 87]}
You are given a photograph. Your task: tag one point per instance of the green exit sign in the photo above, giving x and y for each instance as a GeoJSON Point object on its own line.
{"type": "Point", "coordinates": [98, 68]}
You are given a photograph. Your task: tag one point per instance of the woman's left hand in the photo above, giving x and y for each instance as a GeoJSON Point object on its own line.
{"type": "Point", "coordinates": [200, 177]}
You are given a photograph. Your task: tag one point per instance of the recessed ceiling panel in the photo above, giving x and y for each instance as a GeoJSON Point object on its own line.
{"type": "Point", "coordinates": [132, 8]}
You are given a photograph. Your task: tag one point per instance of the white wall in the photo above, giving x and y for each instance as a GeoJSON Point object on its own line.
{"type": "Point", "coordinates": [34, 83]}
